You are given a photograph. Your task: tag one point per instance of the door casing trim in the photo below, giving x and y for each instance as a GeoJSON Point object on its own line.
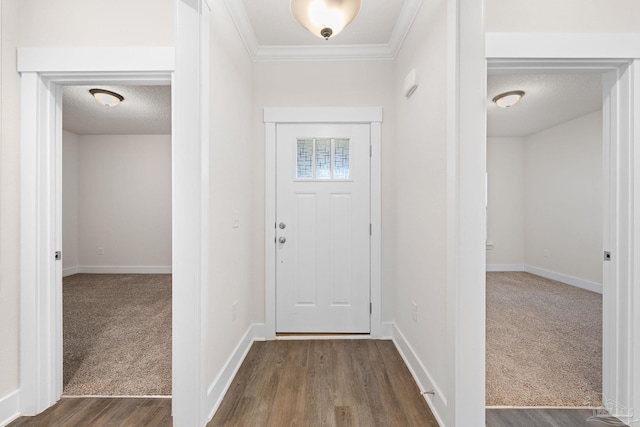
{"type": "Point", "coordinates": [363, 115]}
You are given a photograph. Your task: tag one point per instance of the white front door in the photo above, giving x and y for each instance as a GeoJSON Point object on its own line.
{"type": "Point", "coordinates": [323, 228]}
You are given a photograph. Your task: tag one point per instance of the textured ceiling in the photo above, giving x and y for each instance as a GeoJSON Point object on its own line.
{"type": "Point", "coordinates": [146, 110]}
{"type": "Point", "coordinates": [550, 99]}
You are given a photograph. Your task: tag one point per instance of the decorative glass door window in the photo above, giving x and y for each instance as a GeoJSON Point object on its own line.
{"type": "Point", "coordinates": [323, 159]}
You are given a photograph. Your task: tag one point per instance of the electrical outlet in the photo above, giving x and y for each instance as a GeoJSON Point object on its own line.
{"type": "Point", "coordinates": [234, 311]}
{"type": "Point", "coordinates": [545, 253]}
{"type": "Point", "coordinates": [414, 311]}
{"type": "Point", "coordinates": [100, 251]}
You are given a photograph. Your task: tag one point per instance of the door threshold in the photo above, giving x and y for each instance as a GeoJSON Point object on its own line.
{"type": "Point", "coordinates": [321, 336]}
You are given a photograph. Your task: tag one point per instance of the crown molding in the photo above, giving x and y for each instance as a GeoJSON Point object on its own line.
{"type": "Point", "coordinates": [371, 52]}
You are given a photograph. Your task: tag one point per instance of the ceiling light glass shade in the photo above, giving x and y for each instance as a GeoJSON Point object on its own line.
{"type": "Point", "coordinates": [508, 99]}
{"type": "Point", "coordinates": [325, 18]}
{"type": "Point", "coordinates": [106, 97]}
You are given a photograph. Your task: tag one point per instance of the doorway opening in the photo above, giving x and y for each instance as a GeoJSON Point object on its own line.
{"type": "Point", "coordinates": [117, 242]}
{"type": "Point", "coordinates": [544, 241]}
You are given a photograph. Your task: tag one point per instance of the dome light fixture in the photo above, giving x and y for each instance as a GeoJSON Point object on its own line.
{"type": "Point", "coordinates": [325, 18]}
{"type": "Point", "coordinates": [106, 97]}
{"type": "Point", "coordinates": [508, 99]}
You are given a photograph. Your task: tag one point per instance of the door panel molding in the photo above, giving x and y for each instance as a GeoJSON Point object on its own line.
{"type": "Point", "coordinates": [274, 116]}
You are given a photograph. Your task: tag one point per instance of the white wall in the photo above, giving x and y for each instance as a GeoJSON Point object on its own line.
{"type": "Point", "coordinates": [327, 84]}
{"type": "Point", "coordinates": [564, 198]}
{"type": "Point", "coordinates": [80, 23]}
{"type": "Point", "coordinates": [420, 240]}
{"type": "Point", "coordinates": [70, 261]}
{"type": "Point", "coordinates": [124, 202]}
{"type": "Point", "coordinates": [550, 16]}
{"type": "Point", "coordinates": [505, 209]}
{"type": "Point", "coordinates": [546, 200]}
{"type": "Point", "coordinates": [9, 201]}
{"type": "Point", "coordinates": [233, 267]}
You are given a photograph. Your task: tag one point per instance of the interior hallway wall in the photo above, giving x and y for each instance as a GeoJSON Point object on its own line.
{"type": "Point", "coordinates": [233, 267]}
{"type": "Point", "coordinates": [421, 197]}
{"type": "Point", "coordinates": [327, 84]}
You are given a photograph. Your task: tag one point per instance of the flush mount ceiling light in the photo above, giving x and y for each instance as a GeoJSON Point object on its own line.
{"type": "Point", "coordinates": [325, 18]}
{"type": "Point", "coordinates": [106, 97]}
{"type": "Point", "coordinates": [508, 99]}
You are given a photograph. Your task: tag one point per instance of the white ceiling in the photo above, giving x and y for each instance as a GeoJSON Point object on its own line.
{"type": "Point", "coordinates": [270, 33]}
{"type": "Point", "coordinates": [146, 110]}
{"type": "Point", "coordinates": [550, 99]}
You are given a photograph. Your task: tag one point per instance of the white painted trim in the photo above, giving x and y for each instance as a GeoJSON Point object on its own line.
{"type": "Point", "coordinates": [563, 45]}
{"type": "Point", "coordinates": [563, 278]}
{"type": "Point", "coordinates": [375, 240]}
{"type": "Point", "coordinates": [219, 386]}
{"type": "Point", "coordinates": [505, 267]}
{"type": "Point", "coordinates": [466, 213]}
{"type": "Point", "coordinates": [438, 402]}
{"type": "Point", "coordinates": [55, 60]}
{"type": "Point", "coordinates": [40, 308]}
{"type": "Point", "coordinates": [124, 269]}
{"type": "Point", "coordinates": [600, 53]}
{"type": "Point", "coordinates": [332, 52]}
{"type": "Point", "coordinates": [9, 408]}
{"type": "Point", "coordinates": [635, 267]}
{"type": "Point", "coordinates": [273, 116]}
{"type": "Point", "coordinates": [190, 203]}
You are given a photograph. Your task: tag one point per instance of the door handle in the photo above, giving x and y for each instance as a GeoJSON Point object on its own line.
{"type": "Point", "coordinates": [282, 239]}
{"type": "Point", "coordinates": [282, 226]}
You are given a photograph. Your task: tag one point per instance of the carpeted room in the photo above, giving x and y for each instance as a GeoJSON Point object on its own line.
{"type": "Point", "coordinates": [544, 212]}
{"type": "Point", "coordinates": [116, 221]}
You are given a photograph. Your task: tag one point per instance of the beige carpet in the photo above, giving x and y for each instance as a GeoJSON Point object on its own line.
{"type": "Point", "coordinates": [117, 334]}
{"type": "Point", "coordinates": [544, 342]}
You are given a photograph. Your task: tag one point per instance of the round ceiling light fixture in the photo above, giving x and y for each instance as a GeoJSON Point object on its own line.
{"type": "Point", "coordinates": [325, 18]}
{"type": "Point", "coordinates": [508, 99]}
{"type": "Point", "coordinates": [106, 97]}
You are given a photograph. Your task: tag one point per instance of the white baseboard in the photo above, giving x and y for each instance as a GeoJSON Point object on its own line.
{"type": "Point", "coordinates": [569, 280]}
{"type": "Point", "coordinates": [70, 271]}
{"type": "Point", "coordinates": [125, 269]}
{"type": "Point", "coordinates": [505, 267]}
{"type": "Point", "coordinates": [221, 384]}
{"type": "Point", "coordinates": [9, 408]}
{"type": "Point", "coordinates": [438, 402]}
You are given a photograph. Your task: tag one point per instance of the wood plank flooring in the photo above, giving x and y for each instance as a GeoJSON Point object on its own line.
{"type": "Point", "coordinates": [98, 412]}
{"type": "Point", "coordinates": [323, 383]}
{"type": "Point", "coordinates": [546, 417]}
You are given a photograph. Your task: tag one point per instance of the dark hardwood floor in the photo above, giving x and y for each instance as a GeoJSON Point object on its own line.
{"type": "Point", "coordinates": [98, 412]}
{"type": "Point", "coordinates": [323, 383]}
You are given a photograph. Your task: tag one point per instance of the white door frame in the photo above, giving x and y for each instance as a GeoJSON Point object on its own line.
{"type": "Point", "coordinates": [43, 73]}
{"type": "Point", "coordinates": [621, 298]}
{"type": "Point", "coordinates": [366, 115]}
